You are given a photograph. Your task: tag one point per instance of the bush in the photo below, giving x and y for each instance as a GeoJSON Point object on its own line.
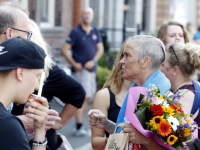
{"type": "Point", "coordinates": [108, 59]}
{"type": "Point", "coordinates": [102, 75]}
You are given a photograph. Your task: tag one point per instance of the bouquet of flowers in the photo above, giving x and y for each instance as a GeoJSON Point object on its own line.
{"type": "Point", "coordinates": [160, 116]}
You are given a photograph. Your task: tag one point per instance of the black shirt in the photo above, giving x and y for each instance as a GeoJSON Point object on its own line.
{"type": "Point", "coordinates": [113, 110]}
{"type": "Point", "coordinates": [12, 132]}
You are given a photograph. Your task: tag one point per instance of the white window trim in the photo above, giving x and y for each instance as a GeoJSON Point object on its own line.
{"type": "Point", "coordinates": [51, 15]}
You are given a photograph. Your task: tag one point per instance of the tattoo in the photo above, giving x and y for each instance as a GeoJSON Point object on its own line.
{"type": "Point", "coordinates": [109, 126]}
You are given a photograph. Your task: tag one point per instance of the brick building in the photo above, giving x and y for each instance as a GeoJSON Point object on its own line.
{"type": "Point", "coordinates": [118, 18]}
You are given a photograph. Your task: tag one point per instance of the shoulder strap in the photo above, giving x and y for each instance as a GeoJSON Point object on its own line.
{"type": "Point", "coordinates": [196, 103]}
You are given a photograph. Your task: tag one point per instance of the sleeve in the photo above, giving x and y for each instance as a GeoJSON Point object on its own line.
{"type": "Point", "coordinates": [13, 134]}
{"type": "Point", "coordinates": [63, 86]}
{"type": "Point", "coordinates": [99, 39]}
{"type": "Point", "coordinates": [72, 37]}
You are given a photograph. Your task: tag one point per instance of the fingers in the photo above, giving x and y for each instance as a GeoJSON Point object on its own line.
{"type": "Point", "coordinates": [53, 112]}
{"type": "Point", "coordinates": [42, 100]}
{"type": "Point", "coordinates": [128, 128]}
{"type": "Point", "coordinates": [53, 118]}
{"type": "Point", "coordinates": [97, 118]}
{"type": "Point", "coordinates": [49, 124]}
{"type": "Point", "coordinates": [37, 109]}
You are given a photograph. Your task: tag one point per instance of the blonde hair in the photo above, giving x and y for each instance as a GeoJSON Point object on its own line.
{"type": "Point", "coordinates": [188, 58]}
{"type": "Point", "coordinates": [115, 79]}
{"type": "Point", "coordinates": [38, 39]}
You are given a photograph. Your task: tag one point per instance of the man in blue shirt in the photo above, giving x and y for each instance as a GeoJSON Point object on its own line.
{"type": "Point", "coordinates": [85, 43]}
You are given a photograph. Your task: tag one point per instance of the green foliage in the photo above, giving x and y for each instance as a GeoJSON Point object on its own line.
{"type": "Point", "coordinates": [108, 59]}
{"type": "Point", "coordinates": [102, 75]}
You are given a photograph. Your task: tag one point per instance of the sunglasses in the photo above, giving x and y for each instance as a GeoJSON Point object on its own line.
{"type": "Point", "coordinates": [172, 47]}
{"type": "Point", "coordinates": [29, 33]}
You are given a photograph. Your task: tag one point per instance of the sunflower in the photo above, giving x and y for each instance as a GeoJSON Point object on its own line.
{"type": "Point", "coordinates": [186, 132]}
{"type": "Point", "coordinates": [171, 140]}
{"type": "Point", "coordinates": [156, 120]}
{"type": "Point", "coordinates": [169, 110]}
{"type": "Point", "coordinates": [164, 129]}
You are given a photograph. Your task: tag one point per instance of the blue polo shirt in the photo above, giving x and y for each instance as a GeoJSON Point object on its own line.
{"type": "Point", "coordinates": [84, 46]}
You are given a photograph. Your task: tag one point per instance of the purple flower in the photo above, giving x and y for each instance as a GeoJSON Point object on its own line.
{"type": "Point", "coordinates": [186, 125]}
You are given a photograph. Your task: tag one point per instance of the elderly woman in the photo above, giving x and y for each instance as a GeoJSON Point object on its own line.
{"type": "Point", "coordinates": [139, 64]}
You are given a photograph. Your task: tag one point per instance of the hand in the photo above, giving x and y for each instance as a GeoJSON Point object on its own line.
{"type": "Point", "coordinates": [97, 118]}
{"type": "Point", "coordinates": [37, 111]}
{"type": "Point", "coordinates": [134, 135]}
{"type": "Point", "coordinates": [89, 65]}
{"type": "Point", "coordinates": [28, 122]}
{"type": "Point", "coordinates": [77, 67]}
{"type": "Point", "coordinates": [57, 125]}
{"type": "Point", "coordinates": [52, 120]}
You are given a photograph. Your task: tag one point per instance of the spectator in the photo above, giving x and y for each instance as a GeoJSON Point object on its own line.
{"type": "Point", "coordinates": [85, 43]}
{"type": "Point", "coordinates": [139, 64]}
{"type": "Point", "coordinates": [181, 63]}
{"type": "Point", "coordinates": [171, 32]}
{"type": "Point", "coordinates": [14, 22]}
{"type": "Point", "coordinates": [109, 100]}
{"type": "Point", "coordinates": [24, 64]}
{"type": "Point", "coordinates": [176, 71]}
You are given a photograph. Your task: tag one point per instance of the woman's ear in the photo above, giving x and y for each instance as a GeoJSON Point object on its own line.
{"type": "Point", "coordinates": [145, 62]}
{"type": "Point", "coordinates": [175, 70]}
{"type": "Point", "coordinates": [19, 74]}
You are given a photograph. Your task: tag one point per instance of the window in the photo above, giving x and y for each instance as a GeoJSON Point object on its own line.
{"type": "Point", "coordinates": [47, 13]}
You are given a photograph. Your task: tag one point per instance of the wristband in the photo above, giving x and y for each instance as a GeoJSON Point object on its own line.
{"type": "Point", "coordinates": [39, 143]}
{"type": "Point", "coordinates": [94, 60]}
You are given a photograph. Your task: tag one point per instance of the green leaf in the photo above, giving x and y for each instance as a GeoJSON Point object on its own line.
{"type": "Point", "coordinates": [143, 116]}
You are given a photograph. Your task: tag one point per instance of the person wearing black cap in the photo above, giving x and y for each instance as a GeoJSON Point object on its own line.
{"type": "Point", "coordinates": [21, 64]}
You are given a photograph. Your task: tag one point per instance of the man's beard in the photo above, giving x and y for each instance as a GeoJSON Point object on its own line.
{"type": "Point", "coordinates": [86, 22]}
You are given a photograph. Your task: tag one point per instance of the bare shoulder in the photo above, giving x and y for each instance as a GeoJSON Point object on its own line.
{"type": "Point", "coordinates": [187, 100]}
{"type": "Point", "coordinates": [102, 98]}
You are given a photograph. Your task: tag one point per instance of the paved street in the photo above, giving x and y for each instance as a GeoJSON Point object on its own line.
{"type": "Point", "coordinates": [77, 143]}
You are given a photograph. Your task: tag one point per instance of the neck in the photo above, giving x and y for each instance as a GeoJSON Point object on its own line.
{"type": "Point", "coordinates": [143, 77]}
{"type": "Point", "coordinates": [178, 82]}
{"type": "Point", "coordinates": [7, 92]}
{"type": "Point", "coordinates": [126, 85]}
{"type": "Point", "coordinates": [86, 27]}
{"type": "Point", "coordinates": [122, 93]}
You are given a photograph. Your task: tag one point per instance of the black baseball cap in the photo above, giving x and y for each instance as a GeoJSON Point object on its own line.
{"type": "Point", "coordinates": [21, 53]}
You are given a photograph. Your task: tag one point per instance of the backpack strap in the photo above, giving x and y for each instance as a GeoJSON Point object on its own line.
{"type": "Point", "coordinates": [196, 104]}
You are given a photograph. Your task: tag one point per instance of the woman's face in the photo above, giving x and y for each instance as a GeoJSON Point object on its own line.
{"type": "Point", "coordinates": [166, 68]}
{"type": "Point", "coordinates": [130, 67]}
{"type": "Point", "coordinates": [174, 33]}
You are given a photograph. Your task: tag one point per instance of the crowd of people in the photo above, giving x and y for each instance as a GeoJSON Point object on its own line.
{"type": "Point", "coordinates": [170, 61]}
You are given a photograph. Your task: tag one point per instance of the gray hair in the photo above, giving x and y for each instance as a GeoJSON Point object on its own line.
{"type": "Point", "coordinates": [8, 17]}
{"type": "Point", "coordinates": [150, 46]}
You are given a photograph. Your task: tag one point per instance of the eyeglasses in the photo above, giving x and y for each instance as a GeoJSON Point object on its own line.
{"type": "Point", "coordinates": [29, 33]}
{"type": "Point", "coordinates": [172, 47]}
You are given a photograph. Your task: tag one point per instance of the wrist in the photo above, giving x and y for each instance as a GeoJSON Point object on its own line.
{"type": "Point", "coordinates": [38, 143]}
{"type": "Point", "coordinates": [39, 134]}
{"type": "Point", "coordinates": [109, 126]}
{"type": "Point", "coordinates": [94, 59]}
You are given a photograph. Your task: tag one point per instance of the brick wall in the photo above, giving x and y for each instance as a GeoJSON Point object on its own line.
{"type": "Point", "coordinates": [162, 12]}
